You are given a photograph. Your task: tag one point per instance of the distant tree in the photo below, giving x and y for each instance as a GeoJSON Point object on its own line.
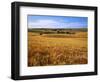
{"type": "Point", "coordinates": [58, 31]}
{"type": "Point", "coordinates": [55, 30]}
{"type": "Point", "coordinates": [67, 32]}
{"type": "Point", "coordinates": [70, 32]}
{"type": "Point", "coordinates": [41, 33]}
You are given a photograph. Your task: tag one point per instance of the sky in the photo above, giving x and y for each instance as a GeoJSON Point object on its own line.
{"type": "Point", "coordinates": [42, 21]}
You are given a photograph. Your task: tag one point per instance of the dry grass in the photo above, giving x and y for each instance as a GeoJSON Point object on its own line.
{"type": "Point", "coordinates": [57, 49]}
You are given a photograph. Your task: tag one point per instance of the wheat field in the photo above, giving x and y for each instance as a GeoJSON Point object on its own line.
{"type": "Point", "coordinates": [57, 49]}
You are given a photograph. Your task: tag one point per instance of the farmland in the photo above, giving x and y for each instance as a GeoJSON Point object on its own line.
{"type": "Point", "coordinates": [57, 47]}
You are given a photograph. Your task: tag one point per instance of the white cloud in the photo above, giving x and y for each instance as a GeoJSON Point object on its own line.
{"type": "Point", "coordinates": [43, 24]}
{"type": "Point", "coordinates": [53, 24]}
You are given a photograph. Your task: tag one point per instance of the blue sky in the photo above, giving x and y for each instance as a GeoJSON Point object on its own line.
{"type": "Point", "coordinates": [40, 21]}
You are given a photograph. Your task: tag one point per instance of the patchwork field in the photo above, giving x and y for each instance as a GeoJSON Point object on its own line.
{"type": "Point", "coordinates": [52, 47]}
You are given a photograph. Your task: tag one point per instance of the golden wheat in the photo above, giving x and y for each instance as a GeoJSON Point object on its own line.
{"type": "Point", "coordinates": [50, 49]}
